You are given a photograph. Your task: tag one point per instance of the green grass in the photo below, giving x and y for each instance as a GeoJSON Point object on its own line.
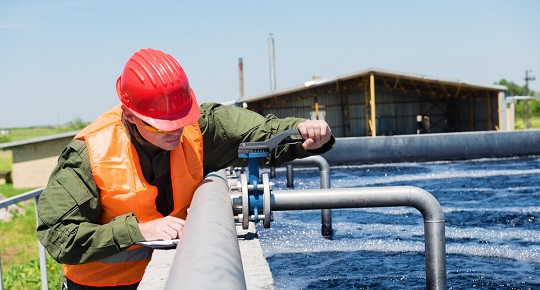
{"type": "Point", "coordinates": [6, 160]}
{"type": "Point", "coordinates": [28, 276]}
{"type": "Point", "coordinates": [534, 123]}
{"type": "Point", "coordinates": [19, 248]}
{"type": "Point", "coordinates": [19, 134]}
{"type": "Point", "coordinates": [21, 245]}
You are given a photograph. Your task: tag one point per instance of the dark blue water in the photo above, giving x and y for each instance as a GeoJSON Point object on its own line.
{"type": "Point", "coordinates": [492, 214]}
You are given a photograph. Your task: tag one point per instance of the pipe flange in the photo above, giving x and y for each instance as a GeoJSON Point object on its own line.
{"type": "Point", "coordinates": [245, 201]}
{"type": "Point", "coordinates": [266, 200]}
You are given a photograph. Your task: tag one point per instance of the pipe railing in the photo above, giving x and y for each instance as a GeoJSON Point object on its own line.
{"type": "Point", "coordinates": [42, 258]}
{"type": "Point", "coordinates": [324, 171]}
{"type": "Point", "coordinates": [429, 207]}
{"type": "Point", "coordinates": [209, 240]}
{"type": "Point", "coordinates": [208, 254]}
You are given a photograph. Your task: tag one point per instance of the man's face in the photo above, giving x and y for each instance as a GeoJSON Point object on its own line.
{"type": "Point", "coordinates": [167, 140]}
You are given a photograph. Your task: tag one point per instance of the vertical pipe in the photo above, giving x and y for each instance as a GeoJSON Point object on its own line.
{"type": "Point", "coordinates": [208, 254]}
{"type": "Point", "coordinates": [290, 176]}
{"type": "Point", "coordinates": [324, 169]}
{"type": "Point", "coordinates": [272, 63]}
{"type": "Point", "coordinates": [42, 256]}
{"type": "Point", "coordinates": [241, 77]}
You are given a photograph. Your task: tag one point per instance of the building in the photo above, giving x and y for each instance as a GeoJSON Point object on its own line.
{"type": "Point", "coordinates": [377, 102]}
{"type": "Point", "coordinates": [34, 159]}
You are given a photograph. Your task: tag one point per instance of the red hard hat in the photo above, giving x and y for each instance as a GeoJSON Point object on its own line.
{"type": "Point", "coordinates": [154, 87]}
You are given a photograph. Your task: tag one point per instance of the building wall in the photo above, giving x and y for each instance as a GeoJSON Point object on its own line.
{"type": "Point", "coordinates": [34, 162]}
{"type": "Point", "coordinates": [33, 174]}
{"type": "Point", "coordinates": [400, 101]}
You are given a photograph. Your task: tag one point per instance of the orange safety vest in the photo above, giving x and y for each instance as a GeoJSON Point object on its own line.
{"type": "Point", "coordinates": [123, 189]}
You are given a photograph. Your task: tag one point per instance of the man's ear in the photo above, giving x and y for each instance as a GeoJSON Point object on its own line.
{"type": "Point", "coordinates": [128, 115]}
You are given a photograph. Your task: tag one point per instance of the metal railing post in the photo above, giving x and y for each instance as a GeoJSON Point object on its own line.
{"type": "Point", "coordinates": [42, 255]}
{"type": "Point", "coordinates": [390, 196]}
{"type": "Point", "coordinates": [208, 254]}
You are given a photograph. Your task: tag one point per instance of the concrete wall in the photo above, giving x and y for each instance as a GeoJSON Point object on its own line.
{"type": "Point", "coordinates": [33, 162]}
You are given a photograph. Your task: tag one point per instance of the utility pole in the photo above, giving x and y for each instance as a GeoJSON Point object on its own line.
{"type": "Point", "coordinates": [241, 77]}
{"type": "Point", "coordinates": [272, 63]}
{"type": "Point", "coordinates": [527, 107]}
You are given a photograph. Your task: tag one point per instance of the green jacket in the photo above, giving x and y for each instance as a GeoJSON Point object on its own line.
{"type": "Point", "coordinates": [68, 209]}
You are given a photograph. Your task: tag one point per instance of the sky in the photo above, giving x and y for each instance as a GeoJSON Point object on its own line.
{"type": "Point", "coordinates": [60, 59]}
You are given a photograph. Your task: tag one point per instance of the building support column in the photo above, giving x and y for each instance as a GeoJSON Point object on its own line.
{"type": "Point", "coordinates": [371, 120]}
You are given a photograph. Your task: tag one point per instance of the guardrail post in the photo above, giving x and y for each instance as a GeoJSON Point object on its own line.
{"type": "Point", "coordinates": [42, 255]}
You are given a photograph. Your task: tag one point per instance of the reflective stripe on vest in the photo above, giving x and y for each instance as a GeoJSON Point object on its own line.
{"type": "Point", "coordinates": [117, 173]}
{"type": "Point", "coordinates": [128, 256]}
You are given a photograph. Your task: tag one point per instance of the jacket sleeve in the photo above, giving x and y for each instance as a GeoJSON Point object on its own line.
{"type": "Point", "coordinates": [225, 127]}
{"type": "Point", "coordinates": [68, 212]}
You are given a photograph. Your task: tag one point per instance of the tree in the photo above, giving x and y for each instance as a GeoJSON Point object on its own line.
{"type": "Point", "coordinates": [77, 124]}
{"type": "Point", "coordinates": [516, 90]}
{"type": "Point", "coordinates": [513, 89]}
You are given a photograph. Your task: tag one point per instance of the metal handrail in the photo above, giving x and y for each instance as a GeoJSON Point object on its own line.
{"type": "Point", "coordinates": [324, 172]}
{"type": "Point", "coordinates": [42, 258]}
{"type": "Point", "coordinates": [210, 227]}
{"type": "Point", "coordinates": [389, 196]}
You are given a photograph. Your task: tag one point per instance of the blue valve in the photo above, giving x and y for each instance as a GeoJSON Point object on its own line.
{"type": "Point", "coordinates": [253, 151]}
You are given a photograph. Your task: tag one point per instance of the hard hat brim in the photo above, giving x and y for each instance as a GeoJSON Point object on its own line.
{"type": "Point", "coordinates": [189, 115]}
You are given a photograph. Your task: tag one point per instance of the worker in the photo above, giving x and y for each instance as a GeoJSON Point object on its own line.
{"type": "Point", "coordinates": [130, 175]}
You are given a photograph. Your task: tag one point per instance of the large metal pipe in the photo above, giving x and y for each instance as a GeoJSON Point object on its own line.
{"type": "Point", "coordinates": [208, 254]}
{"type": "Point", "coordinates": [435, 245]}
{"type": "Point", "coordinates": [324, 171]}
{"type": "Point", "coordinates": [434, 147]}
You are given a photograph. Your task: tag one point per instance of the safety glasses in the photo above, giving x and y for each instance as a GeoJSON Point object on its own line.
{"type": "Point", "coordinates": [154, 129]}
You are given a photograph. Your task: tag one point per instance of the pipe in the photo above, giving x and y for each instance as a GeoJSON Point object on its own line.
{"type": "Point", "coordinates": [429, 207]}
{"type": "Point", "coordinates": [434, 147]}
{"type": "Point", "coordinates": [208, 254]}
{"type": "Point", "coordinates": [290, 176]}
{"type": "Point", "coordinates": [324, 169]}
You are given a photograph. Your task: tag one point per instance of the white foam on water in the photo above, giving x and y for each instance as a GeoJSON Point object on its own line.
{"type": "Point", "coordinates": [503, 252]}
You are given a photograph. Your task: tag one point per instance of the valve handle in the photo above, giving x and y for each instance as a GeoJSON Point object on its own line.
{"type": "Point", "coordinates": [282, 138]}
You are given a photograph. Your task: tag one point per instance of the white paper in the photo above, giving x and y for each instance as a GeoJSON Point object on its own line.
{"type": "Point", "coordinates": [160, 244]}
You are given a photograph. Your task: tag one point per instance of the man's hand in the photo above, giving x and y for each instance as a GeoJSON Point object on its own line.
{"type": "Point", "coordinates": [166, 228]}
{"type": "Point", "coordinates": [315, 133]}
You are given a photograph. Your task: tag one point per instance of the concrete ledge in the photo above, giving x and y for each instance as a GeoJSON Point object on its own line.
{"type": "Point", "coordinates": [256, 269]}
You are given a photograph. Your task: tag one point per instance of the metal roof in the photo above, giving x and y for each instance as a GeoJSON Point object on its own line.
{"type": "Point", "coordinates": [378, 71]}
{"type": "Point", "coordinates": [37, 140]}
